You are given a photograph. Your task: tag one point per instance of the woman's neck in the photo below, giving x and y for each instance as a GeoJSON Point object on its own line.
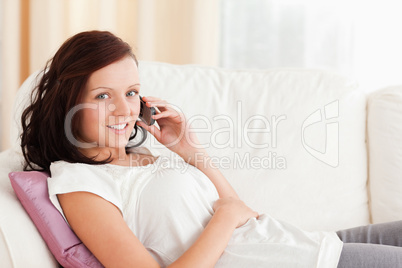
{"type": "Point", "coordinates": [118, 156]}
{"type": "Point", "coordinates": [99, 154]}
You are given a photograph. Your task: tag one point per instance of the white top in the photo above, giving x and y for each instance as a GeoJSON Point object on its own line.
{"type": "Point", "coordinates": [168, 203]}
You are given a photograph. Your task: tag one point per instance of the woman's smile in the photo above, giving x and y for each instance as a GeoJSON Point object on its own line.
{"type": "Point", "coordinates": [119, 128]}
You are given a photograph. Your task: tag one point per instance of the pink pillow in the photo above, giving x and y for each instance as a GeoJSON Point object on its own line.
{"type": "Point", "coordinates": [31, 189]}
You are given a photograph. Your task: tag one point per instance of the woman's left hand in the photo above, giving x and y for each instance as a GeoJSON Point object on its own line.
{"type": "Point", "coordinates": [173, 131]}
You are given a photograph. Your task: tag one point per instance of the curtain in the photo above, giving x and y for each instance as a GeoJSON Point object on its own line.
{"type": "Point", "coordinates": [174, 31]}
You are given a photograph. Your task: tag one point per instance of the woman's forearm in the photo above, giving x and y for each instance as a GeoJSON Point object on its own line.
{"type": "Point", "coordinates": [203, 162]}
{"type": "Point", "coordinates": [199, 158]}
{"type": "Point", "coordinates": [210, 245]}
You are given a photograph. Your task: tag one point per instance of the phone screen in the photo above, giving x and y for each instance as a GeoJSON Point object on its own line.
{"type": "Point", "coordinates": [146, 113]}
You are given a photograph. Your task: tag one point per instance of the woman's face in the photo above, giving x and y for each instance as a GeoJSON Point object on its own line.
{"type": "Point", "coordinates": [111, 96]}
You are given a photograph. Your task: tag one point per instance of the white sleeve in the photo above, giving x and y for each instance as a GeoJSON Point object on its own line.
{"type": "Point", "coordinates": [68, 178]}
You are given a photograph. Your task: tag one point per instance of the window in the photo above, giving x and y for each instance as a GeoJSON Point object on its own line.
{"type": "Point", "coordinates": [266, 34]}
{"type": "Point", "coordinates": [353, 38]}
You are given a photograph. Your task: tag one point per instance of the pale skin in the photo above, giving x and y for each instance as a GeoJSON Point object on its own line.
{"type": "Point", "coordinates": [97, 222]}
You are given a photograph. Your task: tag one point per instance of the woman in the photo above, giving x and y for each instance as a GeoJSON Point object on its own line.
{"type": "Point", "coordinates": [132, 211]}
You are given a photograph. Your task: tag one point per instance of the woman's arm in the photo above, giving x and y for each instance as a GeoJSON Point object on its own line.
{"type": "Point", "coordinates": [229, 214]}
{"type": "Point", "coordinates": [203, 162]}
{"type": "Point", "coordinates": [176, 134]}
{"type": "Point", "coordinates": [101, 227]}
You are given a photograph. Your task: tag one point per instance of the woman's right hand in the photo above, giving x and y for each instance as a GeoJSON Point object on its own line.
{"type": "Point", "coordinates": [235, 209]}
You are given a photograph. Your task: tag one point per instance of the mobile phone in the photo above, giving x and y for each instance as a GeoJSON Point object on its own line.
{"type": "Point", "coordinates": [146, 113]}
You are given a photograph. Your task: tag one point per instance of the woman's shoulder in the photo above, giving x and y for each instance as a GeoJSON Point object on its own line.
{"type": "Point", "coordinates": [62, 165]}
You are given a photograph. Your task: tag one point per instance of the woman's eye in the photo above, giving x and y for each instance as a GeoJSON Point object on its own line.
{"type": "Point", "coordinates": [131, 93]}
{"type": "Point", "coordinates": [102, 96]}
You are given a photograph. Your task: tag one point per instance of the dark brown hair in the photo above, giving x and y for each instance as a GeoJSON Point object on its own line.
{"type": "Point", "coordinates": [64, 77]}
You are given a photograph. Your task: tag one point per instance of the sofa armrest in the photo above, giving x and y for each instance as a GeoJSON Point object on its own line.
{"type": "Point", "coordinates": [384, 134]}
{"type": "Point", "coordinates": [20, 242]}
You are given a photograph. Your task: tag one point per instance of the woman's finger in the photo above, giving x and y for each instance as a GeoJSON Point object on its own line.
{"type": "Point", "coordinates": [159, 105]}
{"type": "Point", "coordinates": [156, 103]}
{"type": "Point", "coordinates": [150, 97]}
{"type": "Point", "coordinates": [162, 106]}
{"type": "Point", "coordinates": [167, 113]}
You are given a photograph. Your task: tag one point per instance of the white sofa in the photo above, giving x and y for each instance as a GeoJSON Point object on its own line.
{"type": "Point", "coordinates": [305, 146]}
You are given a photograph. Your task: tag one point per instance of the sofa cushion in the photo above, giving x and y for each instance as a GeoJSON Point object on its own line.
{"type": "Point", "coordinates": [384, 125]}
{"type": "Point", "coordinates": [31, 189]}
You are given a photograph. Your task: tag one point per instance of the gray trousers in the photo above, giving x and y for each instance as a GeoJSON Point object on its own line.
{"type": "Point", "coordinates": [374, 245]}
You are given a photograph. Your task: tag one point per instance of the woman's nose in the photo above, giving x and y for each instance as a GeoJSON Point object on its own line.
{"type": "Point", "coordinates": [121, 107]}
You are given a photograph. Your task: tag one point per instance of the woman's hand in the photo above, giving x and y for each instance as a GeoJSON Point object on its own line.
{"type": "Point", "coordinates": [173, 131]}
{"type": "Point", "coordinates": [235, 209]}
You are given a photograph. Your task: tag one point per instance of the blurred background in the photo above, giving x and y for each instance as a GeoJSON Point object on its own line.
{"type": "Point", "coordinates": [359, 39]}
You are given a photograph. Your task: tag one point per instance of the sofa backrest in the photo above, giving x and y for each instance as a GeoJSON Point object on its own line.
{"type": "Point", "coordinates": [290, 141]}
